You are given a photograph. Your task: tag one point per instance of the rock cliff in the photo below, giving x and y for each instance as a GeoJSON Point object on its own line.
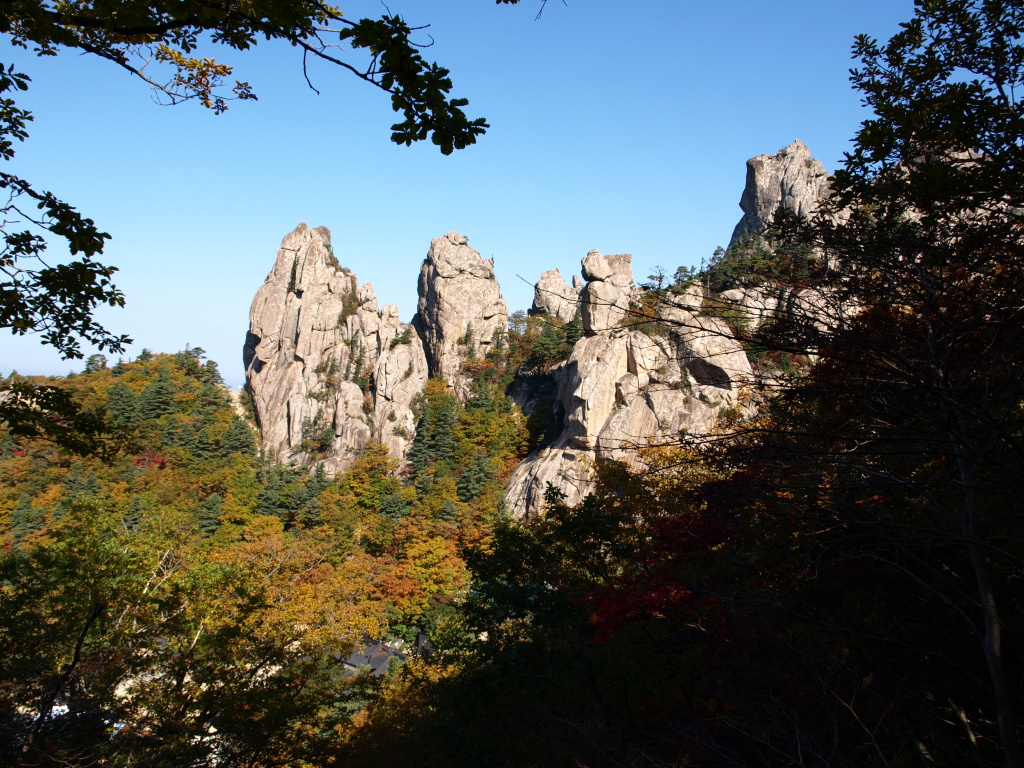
{"type": "Point", "coordinates": [460, 312]}
{"type": "Point", "coordinates": [554, 297]}
{"type": "Point", "coordinates": [790, 179]}
{"type": "Point", "coordinates": [622, 388]}
{"type": "Point", "coordinates": [329, 371]}
{"type": "Point", "coordinates": [326, 368]}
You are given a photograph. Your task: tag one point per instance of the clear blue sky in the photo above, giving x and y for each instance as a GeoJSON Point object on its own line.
{"type": "Point", "coordinates": [618, 126]}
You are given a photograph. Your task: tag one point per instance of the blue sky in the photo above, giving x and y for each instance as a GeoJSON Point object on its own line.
{"type": "Point", "coordinates": [622, 127]}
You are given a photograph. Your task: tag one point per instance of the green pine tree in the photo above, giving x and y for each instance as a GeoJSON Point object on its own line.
{"type": "Point", "coordinates": [475, 476]}
{"type": "Point", "coordinates": [123, 406]}
{"type": "Point", "coordinates": [449, 512]}
{"type": "Point", "coordinates": [171, 435]}
{"type": "Point", "coordinates": [157, 398]}
{"type": "Point", "coordinates": [210, 510]}
{"type": "Point", "coordinates": [25, 519]}
{"type": "Point", "coordinates": [394, 507]}
{"type": "Point", "coordinates": [574, 328]}
{"type": "Point", "coordinates": [238, 439]}
{"type": "Point", "coordinates": [132, 520]}
{"type": "Point", "coordinates": [419, 455]}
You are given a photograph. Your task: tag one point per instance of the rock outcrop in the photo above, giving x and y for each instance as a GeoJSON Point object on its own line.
{"type": "Point", "coordinates": [790, 179]}
{"type": "Point", "coordinates": [621, 389]}
{"type": "Point", "coordinates": [606, 297]}
{"type": "Point", "coordinates": [460, 312]}
{"type": "Point", "coordinates": [553, 296]}
{"type": "Point", "coordinates": [328, 371]}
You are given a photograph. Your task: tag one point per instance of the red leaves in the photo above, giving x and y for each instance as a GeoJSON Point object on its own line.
{"type": "Point", "coordinates": [612, 609]}
{"type": "Point", "coordinates": [150, 459]}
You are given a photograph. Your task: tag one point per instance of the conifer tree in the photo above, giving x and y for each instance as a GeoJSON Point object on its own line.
{"type": "Point", "coordinates": [442, 440]}
{"type": "Point", "coordinates": [419, 452]}
{"type": "Point", "coordinates": [171, 435]}
{"type": "Point", "coordinates": [210, 510]}
{"type": "Point", "coordinates": [132, 520]}
{"type": "Point", "coordinates": [122, 405]}
{"type": "Point", "coordinates": [195, 439]}
{"type": "Point", "coordinates": [210, 373]}
{"type": "Point", "coordinates": [449, 512]}
{"type": "Point", "coordinates": [475, 476]}
{"type": "Point", "coordinates": [238, 439]}
{"type": "Point", "coordinates": [394, 506]}
{"type": "Point", "coordinates": [574, 328]}
{"type": "Point", "coordinates": [25, 519]}
{"type": "Point", "coordinates": [157, 398]}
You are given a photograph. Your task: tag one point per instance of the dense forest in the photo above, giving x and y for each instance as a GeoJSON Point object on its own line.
{"type": "Point", "coordinates": [830, 577]}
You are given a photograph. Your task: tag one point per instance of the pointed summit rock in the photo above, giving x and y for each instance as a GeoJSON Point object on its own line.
{"type": "Point", "coordinates": [322, 362]}
{"type": "Point", "coordinates": [460, 313]}
{"type": "Point", "coordinates": [553, 296]}
{"type": "Point", "coordinates": [790, 179]}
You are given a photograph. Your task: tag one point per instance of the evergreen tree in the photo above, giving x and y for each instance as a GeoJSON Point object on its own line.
{"type": "Point", "coordinates": [210, 373]}
{"type": "Point", "coordinates": [270, 496]}
{"type": "Point", "coordinates": [419, 452]}
{"type": "Point", "coordinates": [394, 507]}
{"type": "Point", "coordinates": [79, 481]}
{"type": "Point", "coordinates": [574, 328]}
{"type": "Point", "coordinates": [210, 510]}
{"type": "Point", "coordinates": [132, 520]}
{"type": "Point", "coordinates": [545, 347]}
{"type": "Point", "coordinates": [309, 508]}
{"type": "Point", "coordinates": [442, 441]}
{"type": "Point", "coordinates": [238, 439]}
{"type": "Point", "coordinates": [118, 368]}
{"type": "Point", "coordinates": [171, 435]}
{"type": "Point", "coordinates": [157, 398]}
{"type": "Point", "coordinates": [317, 482]}
{"type": "Point", "coordinates": [122, 405]}
{"type": "Point", "coordinates": [195, 438]}
{"type": "Point", "coordinates": [449, 512]}
{"type": "Point", "coordinates": [25, 519]}
{"type": "Point", "coordinates": [475, 476]}
{"type": "Point", "coordinates": [95, 363]}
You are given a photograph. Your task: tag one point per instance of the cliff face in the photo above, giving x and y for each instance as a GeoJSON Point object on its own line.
{"type": "Point", "coordinates": [790, 179]}
{"type": "Point", "coordinates": [622, 388]}
{"type": "Point", "coordinates": [460, 313]}
{"type": "Point", "coordinates": [329, 371]}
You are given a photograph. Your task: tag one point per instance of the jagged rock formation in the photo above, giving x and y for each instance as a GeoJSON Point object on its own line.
{"type": "Point", "coordinates": [460, 312]}
{"type": "Point", "coordinates": [327, 369]}
{"type": "Point", "coordinates": [790, 179]}
{"type": "Point", "coordinates": [621, 388]}
{"type": "Point", "coordinates": [609, 290]}
{"type": "Point", "coordinates": [553, 296]}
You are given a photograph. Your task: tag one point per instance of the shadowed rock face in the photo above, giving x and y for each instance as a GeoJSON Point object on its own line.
{"type": "Point", "coordinates": [320, 363]}
{"type": "Point", "coordinates": [790, 179]}
{"type": "Point", "coordinates": [460, 312]}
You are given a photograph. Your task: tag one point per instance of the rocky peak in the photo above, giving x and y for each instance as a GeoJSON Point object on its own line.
{"type": "Point", "coordinates": [460, 312]}
{"type": "Point", "coordinates": [322, 361]}
{"type": "Point", "coordinates": [609, 290]}
{"type": "Point", "coordinates": [553, 296]}
{"type": "Point", "coordinates": [790, 179]}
